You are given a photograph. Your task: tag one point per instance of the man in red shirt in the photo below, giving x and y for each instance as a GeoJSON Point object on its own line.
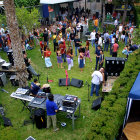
{"type": "Point", "coordinates": [62, 47]}
{"type": "Point", "coordinates": [115, 48]}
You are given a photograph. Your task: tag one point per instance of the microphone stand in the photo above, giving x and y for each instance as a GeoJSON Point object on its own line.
{"type": "Point", "coordinates": [66, 77]}
{"type": "Point", "coordinates": [47, 78]}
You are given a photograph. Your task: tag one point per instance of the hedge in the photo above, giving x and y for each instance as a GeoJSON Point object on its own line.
{"type": "Point", "coordinates": [109, 118]}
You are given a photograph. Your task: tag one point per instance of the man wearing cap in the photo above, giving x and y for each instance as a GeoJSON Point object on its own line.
{"type": "Point", "coordinates": [51, 112]}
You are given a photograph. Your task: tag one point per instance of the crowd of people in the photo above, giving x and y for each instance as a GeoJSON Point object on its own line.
{"type": "Point", "coordinates": [67, 44]}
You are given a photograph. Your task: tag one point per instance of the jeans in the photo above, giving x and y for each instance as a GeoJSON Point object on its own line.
{"type": "Point", "coordinates": [111, 44]}
{"type": "Point", "coordinates": [126, 39]}
{"type": "Point", "coordinates": [92, 89]}
{"type": "Point", "coordinates": [97, 60]}
{"type": "Point", "coordinates": [76, 50]}
{"type": "Point", "coordinates": [96, 28]}
{"type": "Point", "coordinates": [106, 46]}
{"type": "Point", "coordinates": [64, 57]}
{"type": "Point", "coordinates": [92, 42]}
{"type": "Point", "coordinates": [72, 42]}
{"type": "Point", "coordinates": [96, 45]}
{"type": "Point", "coordinates": [30, 68]}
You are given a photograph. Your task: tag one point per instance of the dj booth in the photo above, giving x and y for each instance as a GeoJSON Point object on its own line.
{"type": "Point", "coordinates": [68, 103]}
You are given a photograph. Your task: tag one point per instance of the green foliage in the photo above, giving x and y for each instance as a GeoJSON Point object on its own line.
{"type": "Point", "coordinates": [26, 19]}
{"type": "Point", "coordinates": [137, 15]}
{"type": "Point", "coordinates": [110, 117]}
{"type": "Point", "coordinates": [26, 3]}
{"type": "Point", "coordinates": [3, 20]}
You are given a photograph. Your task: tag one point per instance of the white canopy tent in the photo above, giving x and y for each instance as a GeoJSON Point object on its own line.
{"type": "Point", "coordinates": [55, 1]}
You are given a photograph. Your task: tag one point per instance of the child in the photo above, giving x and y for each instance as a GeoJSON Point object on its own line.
{"type": "Point", "coordinates": [59, 58]}
{"type": "Point", "coordinates": [47, 54]}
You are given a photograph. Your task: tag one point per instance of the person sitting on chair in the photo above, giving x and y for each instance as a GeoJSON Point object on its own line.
{"type": "Point", "coordinates": [35, 87]}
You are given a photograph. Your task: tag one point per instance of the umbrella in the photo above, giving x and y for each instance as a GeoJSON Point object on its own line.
{"type": "Point", "coordinates": [132, 131]}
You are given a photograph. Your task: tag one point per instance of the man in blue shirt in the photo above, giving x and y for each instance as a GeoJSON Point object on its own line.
{"type": "Point", "coordinates": [51, 112]}
{"type": "Point", "coordinates": [35, 87]}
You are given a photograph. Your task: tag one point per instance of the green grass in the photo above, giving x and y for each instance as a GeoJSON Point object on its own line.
{"type": "Point", "coordinates": [13, 107]}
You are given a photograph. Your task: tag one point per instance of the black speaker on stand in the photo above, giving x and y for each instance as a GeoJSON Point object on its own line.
{"type": "Point", "coordinates": [114, 65]}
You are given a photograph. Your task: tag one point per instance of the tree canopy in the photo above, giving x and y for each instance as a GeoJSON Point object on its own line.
{"type": "Point", "coordinates": [26, 3]}
{"type": "Point", "coordinates": [27, 20]}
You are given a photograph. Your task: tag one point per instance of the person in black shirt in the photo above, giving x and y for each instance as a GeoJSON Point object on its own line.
{"type": "Point", "coordinates": [28, 65]}
{"type": "Point", "coordinates": [63, 31]}
{"type": "Point", "coordinates": [72, 37]}
{"type": "Point", "coordinates": [77, 41]}
{"type": "Point", "coordinates": [97, 56]}
{"type": "Point", "coordinates": [45, 36]}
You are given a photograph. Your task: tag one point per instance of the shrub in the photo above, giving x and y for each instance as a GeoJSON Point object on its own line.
{"type": "Point", "coordinates": [106, 124]}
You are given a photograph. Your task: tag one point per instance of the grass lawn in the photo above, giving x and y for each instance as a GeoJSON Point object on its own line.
{"type": "Point", "coordinates": [13, 107]}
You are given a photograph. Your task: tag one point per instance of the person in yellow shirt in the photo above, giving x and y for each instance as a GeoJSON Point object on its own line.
{"type": "Point", "coordinates": [96, 22]}
{"type": "Point", "coordinates": [55, 42]}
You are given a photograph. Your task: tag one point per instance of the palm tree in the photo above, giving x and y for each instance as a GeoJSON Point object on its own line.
{"type": "Point", "coordinates": [19, 64]}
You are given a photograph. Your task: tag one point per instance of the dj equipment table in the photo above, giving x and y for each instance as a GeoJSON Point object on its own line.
{"type": "Point", "coordinates": [41, 103]}
{"type": "Point", "coordinates": [23, 97]}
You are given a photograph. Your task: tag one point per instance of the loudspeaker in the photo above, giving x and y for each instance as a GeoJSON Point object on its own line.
{"type": "Point", "coordinates": [10, 56]}
{"type": "Point", "coordinates": [2, 79]}
{"type": "Point", "coordinates": [6, 121]}
{"type": "Point", "coordinates": [96, 103]}
{"type": "Point", "coordinates": [76, 83]}
{"type": "Point", "coordinates": [62, 82]}
{"type": "Point", "coordinates": [114, 65]}
{"type": "Point", "coordinates": [120, 62]}
{"type": "Point", "coordinates": [13, 80]}
{"type": "Point", "coordinates": [40, 118]}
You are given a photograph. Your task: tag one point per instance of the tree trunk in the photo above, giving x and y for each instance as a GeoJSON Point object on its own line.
{"type": "Point", "coordinates": [103, 3]}
{"type": "Point", "coordinates": [19, 64]}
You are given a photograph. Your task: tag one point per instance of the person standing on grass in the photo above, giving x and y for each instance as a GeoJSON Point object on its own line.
{"type": "Point", "coordinates": [52, 109]}
{"type": "Point", "coordinates": [47, 55]}
{"type": "Point", "coordinates": [72, 36]}
{"type": "Point", "coordinates": [81, 63]}
{"type": "Point", "coordinates": [101, 59]}
{"type": "Point", "coordinates": [59, 58]}
{"type": "Point", "coordinates": [68, 38]}
{"type": "Point", "coordinates": [87, 53]}
{"type": "Point", "coordinates": [45, 36]}
{"type": "Point", "coordinates": [62, 47]}
{"type": "Point", "coordinates": [97, 79]}
{"type": "Point", "coordinates": [106, 40]}
{"type": "Point", "coordinates": [77, 43]}
{"type": "Point", "coordinates": [96, 22]}
{"type": "Point", "coordinates": [69, 59]}
{"type": "Point", "coordinates": [115, 48]}
{"type": "Point", "coordinates": [93, 36]}
{"type": "Point", "coordinates": [97, 56]}
{"type": "Point", "coordinates": [71, 52]}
